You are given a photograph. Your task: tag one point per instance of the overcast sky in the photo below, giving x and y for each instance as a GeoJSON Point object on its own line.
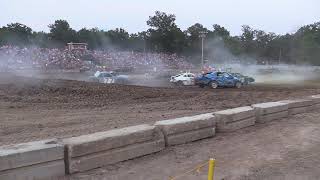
{"type": "Point", "coordinates": [278, 16]}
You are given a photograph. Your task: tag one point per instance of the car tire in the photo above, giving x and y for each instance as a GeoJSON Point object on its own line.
{"type": "Point", "coordinates": [201, 85]}
{"type": "Point", "coordinates": [213, 84]}
{"type": "Point", "coordinates": [179, 83]}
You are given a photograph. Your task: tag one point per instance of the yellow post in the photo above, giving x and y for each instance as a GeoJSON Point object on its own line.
{"type": "Point", "coordinates": [211, 169]}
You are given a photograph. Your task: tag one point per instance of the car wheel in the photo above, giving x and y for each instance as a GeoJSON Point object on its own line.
{"type": "Point", "coordinates": [179, 83]}
{"type": "Point", "coordinates": [214, 85]}
{"type": "Point", "coordinates": [238, 85]}
{"type": "Point", "coordinates": [201, 85]}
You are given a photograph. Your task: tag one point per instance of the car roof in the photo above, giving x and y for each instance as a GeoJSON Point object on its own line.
{"type": "Point", "coordinates": [183, 74]}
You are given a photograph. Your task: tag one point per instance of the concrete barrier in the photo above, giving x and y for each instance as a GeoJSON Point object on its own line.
{"type": "Point", "coordinates": [316, 101]}
{"type": "Point", "coordinates": [298, 106]}
{"type": "Point", "coordinates": [233, 119]}
{"type": "Point", "coordinates": [49, 159]}
{"type": "Point", "coordinates": [187, 129]}
{"type": "Point", "coordinates": [95, 150]}
{"type": "Point", "coordinates": [269, 111]}
{"type": "Point", "coordinates": [33, 160]}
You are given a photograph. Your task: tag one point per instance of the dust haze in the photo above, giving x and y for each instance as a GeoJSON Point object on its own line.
{"type": "Point", "coordinates": [221, 58]}
{"type": "Point", "coordinates": [157, 75]}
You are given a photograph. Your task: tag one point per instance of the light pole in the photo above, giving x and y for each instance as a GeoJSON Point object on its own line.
{"type": "Point", "coordinates": [202, 36]}
{"type": "Point", "coordinates": [280, 54]}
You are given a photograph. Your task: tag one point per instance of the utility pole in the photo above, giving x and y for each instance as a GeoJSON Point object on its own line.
{"type": "Point", "coordinates": [280, 54]}
{"type": "Point", "coordinates": [144, 50]}
{"type": "Point", "coordinates": [202, 36]}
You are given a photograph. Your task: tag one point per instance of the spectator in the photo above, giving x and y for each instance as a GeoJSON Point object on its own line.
{"type": "Point", "coordinates": [15, 58]}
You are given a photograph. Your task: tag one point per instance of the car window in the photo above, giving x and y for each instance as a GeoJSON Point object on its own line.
{"type": "Point", "coordinates": [226, 75]}
{"type": "Point", "coordinates": [106, 75]}
{"type": "Point", "coordinates": [184, 75]}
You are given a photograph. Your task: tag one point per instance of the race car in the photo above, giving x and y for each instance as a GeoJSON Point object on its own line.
{"type": "Point", "coordinates": [245, 80]}
{"type": "Point", "coordinates": [218, 79]}
{"type": "Point", "coordinates": [109, 78]}
{"type": "Point", "coordinates": [184, 79]}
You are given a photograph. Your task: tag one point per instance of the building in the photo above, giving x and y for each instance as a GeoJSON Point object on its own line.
{"type": "Point", "coordinates": [77, 46]}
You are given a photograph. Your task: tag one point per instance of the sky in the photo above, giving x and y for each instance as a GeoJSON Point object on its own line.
{"type": "Point", "coordinates": [279, 16]}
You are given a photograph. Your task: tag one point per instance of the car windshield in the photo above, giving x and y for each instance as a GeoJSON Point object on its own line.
{"type": "Point", "coordinates": [226, 75]}
{"type": "Point", "coordinates": [219, 73]}
{"type": "Point", "coordinates": [105, 75]}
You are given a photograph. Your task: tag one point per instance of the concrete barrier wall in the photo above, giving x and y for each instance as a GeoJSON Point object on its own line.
{"type": "Point", "coordinates": [298, 106]}
{"type": "Point", "coordinates": [187, 129]}
{"type": "Point", "coordinates": [95, 150]}
{"type": "Point", "coordinates": [316, 101]}
{"type": "Point", "coordinates": [233, 119]}
{"type": "Point", "coordinates": [33, 160]}
{"type": "Point", "coordinates": [270, 111]}
{"type": "Point", "coordinates": [49, 159]}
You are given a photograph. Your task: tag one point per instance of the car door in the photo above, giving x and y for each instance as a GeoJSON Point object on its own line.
{"type": "Point", "coordinates": [192, 79]}
{"type": "Point", "coordinates": [207, 78]}
{"type": "Point", "coordinates": [108, 79]}
{"type": "Point", "coordinates": [220, 79]}
{"type": "Point", "coordinates": [189, 79]}
{"type": "Point", "coordinates": [183, 79]}
{"type": "Point", "coordinates": [228, 79]}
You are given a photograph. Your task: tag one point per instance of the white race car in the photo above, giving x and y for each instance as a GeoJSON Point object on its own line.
{"type": "Point", "coordinates": [109, 78]}
{"type": "Point", "coordinates": [184, 79]}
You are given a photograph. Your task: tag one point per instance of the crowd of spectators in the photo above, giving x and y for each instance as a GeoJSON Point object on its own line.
{"type": "Point", "coordinates": [13, 57]}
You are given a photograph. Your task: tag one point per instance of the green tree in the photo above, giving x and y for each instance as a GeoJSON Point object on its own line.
{"type": "Point", "coordinates": [193, 38]}
{"type": "Point", "coordinates": [119, 38]}
{"type": "Point", "coordinates": [164, 35]}
{"type": "Point", "coordinates": [247, 39]}
{"type": "Point", "coordinates": [306, 48]}
{"type": "Point", "coordinates": [95, 38]}
{"type": "Point", "coordinates": [138, 41]}
{"type": "Point", "coordinates": [61, 33]}
{"type": "Point", "coordinates": [262, 44]}
{"type": "Point", "coordinates": [16, 34]}
{"type": "Point", "coordinates": [219, 31]}
{"type": "Point", "coordinates": [40, 39]}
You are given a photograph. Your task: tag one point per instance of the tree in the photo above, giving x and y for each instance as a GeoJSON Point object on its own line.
{"type": "Point", "coordinates": [40, 39]}
{"type": "Point", "coordinates": [164, 35]}
{"type": "Point", "coordinates": [247, 40]}
{"type": "Point", "coordinates": [306, 46]}
{"type": "Point", "coordinates": [193, 38]}
{"type": "Point", "coordinates": [162, 22]}
{"type": "Point", "coordinates": [262, 44]}
{"type": "Point", "coordinates": [61, 33]}
{"type": "Point", "coordinates": [138, 41]}
{"type": "Point", "coordinates": [219, 31]}
{"type": "Point", "coordinates": [118, 38]}
{"type": "Point", "coordinates": [95, 38]}
{"type": "Point", "coordinates": [16, 34]}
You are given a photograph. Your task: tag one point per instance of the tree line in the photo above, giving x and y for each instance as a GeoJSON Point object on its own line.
{"type": "Point", "coordinates": [163, 35]}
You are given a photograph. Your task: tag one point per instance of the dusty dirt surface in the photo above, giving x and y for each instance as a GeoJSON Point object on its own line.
{"type": "Point", "coordinates": [33, 109]}
{"type": "Point", "coordinates": [287, 149]}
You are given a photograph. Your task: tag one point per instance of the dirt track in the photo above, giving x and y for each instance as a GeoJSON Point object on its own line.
{"type": "Point", "coordinates": [33, 109]}
{"type": "Point", "coordinates": [287, 149]}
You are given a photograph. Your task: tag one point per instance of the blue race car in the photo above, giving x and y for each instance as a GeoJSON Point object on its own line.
{"type": "Point", "coordinates": [218, 79]}
{"type": "Point", "coordinates": [245, 80]}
